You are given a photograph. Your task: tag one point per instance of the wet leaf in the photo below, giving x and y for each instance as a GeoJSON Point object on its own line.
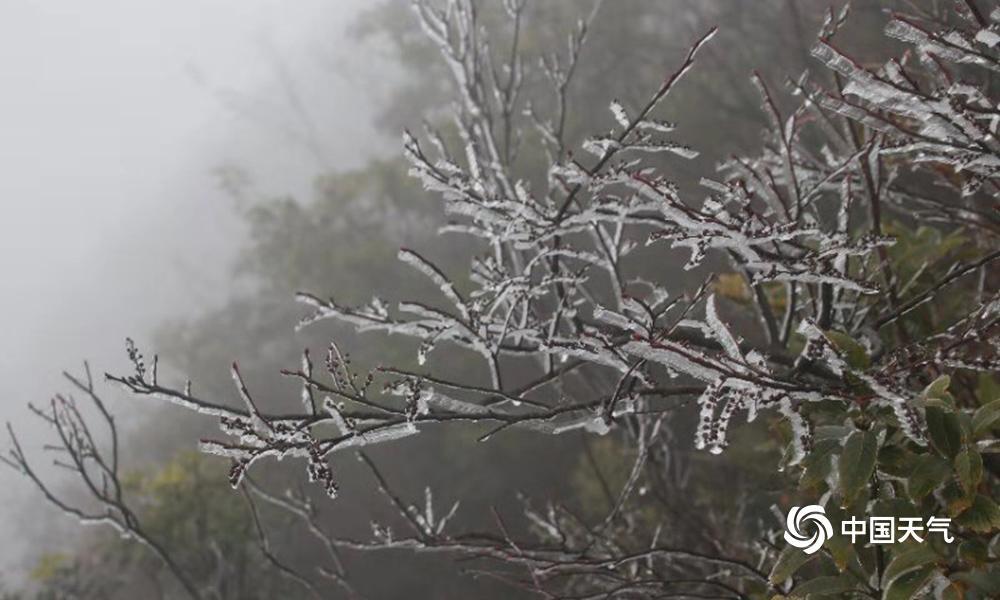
{"type": "Point", "coordinates": [906, 586]}
{"type": "Point", "coordinates": [985, 417]}
{"type": "Point", "coordinates": [854, 352]}
{"type": "Point", "coordinates": [969, 468]}
{"type": "Point", "coordinates": [912, 558]}
{"type": "Point", "coordinates": [930, 472]}
{"type": "Point", "coordinates": [857, 463]}
{"type": "Point", "coordinates": [983, 516]}
{"type": "Point", "coordinates": [789, 561]}
{"type": "Point", "coordinates": [945, 431]}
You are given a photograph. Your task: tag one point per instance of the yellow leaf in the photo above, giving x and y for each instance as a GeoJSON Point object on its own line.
{"type": "Point", "coordinates": [733, 287]}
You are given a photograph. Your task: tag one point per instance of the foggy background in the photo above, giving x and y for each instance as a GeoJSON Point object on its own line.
{"type": "Point", "coordinates": [125, 128]}
{"type": "Point", "coordinates": [113, 116]}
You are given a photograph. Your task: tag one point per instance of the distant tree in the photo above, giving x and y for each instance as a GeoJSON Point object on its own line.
{"type": "Point", "coordinates": [183, 516]}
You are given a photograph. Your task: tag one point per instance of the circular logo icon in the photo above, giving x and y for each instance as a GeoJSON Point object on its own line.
{"type": "Point", "coordinates": [799, 517]}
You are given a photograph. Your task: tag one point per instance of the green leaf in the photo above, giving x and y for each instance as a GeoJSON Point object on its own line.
{"type": "Point", "coordinates": [982, 517]}
{"type": "Point", "coordinates": [857, 463]}
{"type": "Point", "coordinates": [938, 388]}
{"type": "Point", "coordinates": [956, 500]}
{"type": "Point", "coordinates": [906, 586]}
{"type": "Point", "coordinates": [984, 417]}
{"type": "Point", "coordinates": [826, 585]}
{"type": "Point", "coordinates": [945, 431]}
{"type": "Point", "coordinates": [817, 464]}
{"type": "Point", "coordinates": [930, 472]}
{"type": "Point", "coordinates": [854, 353]}
{"type": "Point", "coordinates": [789, 561]}
{"type": "Point", "coordinates": [987, 389]}
{"type": "Point", "coordinates": [909, 559]}
{"type": "Point", "coordinates": [896, 461]}
{"type": "Point", "coordinates": [936, 394]}
{"type": "Point", "coordinates": [973, 552]}
{"type": "Point", "coordinates": [969, 468]}
{"type": "Point", "coordinates": [839, 546]}
{"type": "Point", "coordinates": [841, 550]}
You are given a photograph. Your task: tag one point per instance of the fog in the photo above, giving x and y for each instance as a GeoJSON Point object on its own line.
{"type": "Point", "coordinates": [578, 359]}
{"type": "Point", "coordinates": [113, 115]}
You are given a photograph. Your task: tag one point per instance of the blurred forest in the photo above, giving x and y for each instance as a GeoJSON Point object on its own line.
{"type": "Point", "coordinates": [343, 240]}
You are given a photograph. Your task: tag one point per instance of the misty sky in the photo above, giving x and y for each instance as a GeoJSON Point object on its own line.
{"type": "Point", "coordinates": [113, 115]}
